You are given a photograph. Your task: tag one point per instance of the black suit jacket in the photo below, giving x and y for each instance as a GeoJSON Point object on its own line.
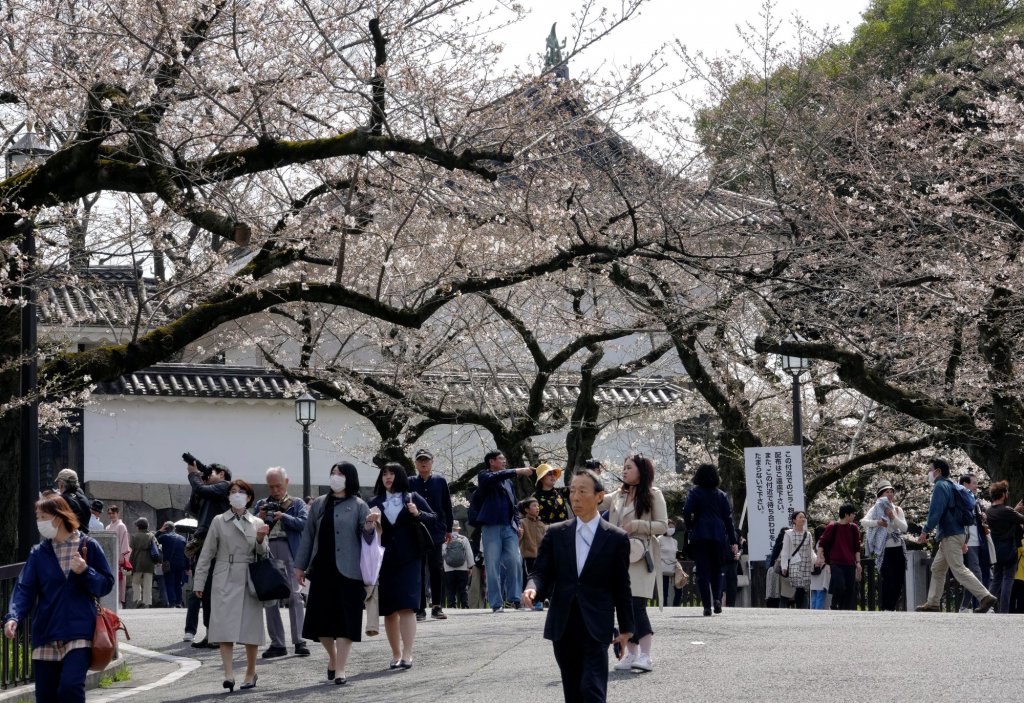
{"type": "Point", "coordinates": [600, 590]}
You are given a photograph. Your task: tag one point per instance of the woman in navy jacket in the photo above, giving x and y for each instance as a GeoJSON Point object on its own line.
{"type": "Point", "coordinates": [402, 567]}
{"type": "Point", "coordinates": [58, 587]}
{"type": "Point", "coordinates": [709, 519]}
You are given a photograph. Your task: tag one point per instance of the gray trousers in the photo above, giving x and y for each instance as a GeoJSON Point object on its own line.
{"type": "Point", "coordinates": [275, 628]}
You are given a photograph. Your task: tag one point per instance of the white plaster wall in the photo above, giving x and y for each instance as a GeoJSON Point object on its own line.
{"type": "Point", "coordinates": [141, 440]}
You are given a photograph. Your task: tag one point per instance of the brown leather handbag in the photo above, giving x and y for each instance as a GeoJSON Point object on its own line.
{"type": "Point", "coordinates": [104, 638]}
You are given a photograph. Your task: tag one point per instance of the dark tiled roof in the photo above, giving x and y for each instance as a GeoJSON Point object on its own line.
{"type": "Point", "coordinates": [102, 295]}
{"type": "Point", "coordinates": [216, 381]}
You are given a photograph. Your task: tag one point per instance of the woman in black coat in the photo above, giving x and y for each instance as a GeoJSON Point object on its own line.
{"type": "Point", "coordinates": [709, 519]}
{"type": "Point", "coordinates": [398, 590]}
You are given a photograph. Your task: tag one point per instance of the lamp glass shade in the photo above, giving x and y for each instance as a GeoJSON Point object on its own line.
{"type": "Point", "coordinates": [305, 409]}
{"type": "Point", "coordinates": [795, 364]}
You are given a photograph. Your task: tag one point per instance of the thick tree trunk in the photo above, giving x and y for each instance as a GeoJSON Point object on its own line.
{"type": "Point", "coordinates": [10, 434]}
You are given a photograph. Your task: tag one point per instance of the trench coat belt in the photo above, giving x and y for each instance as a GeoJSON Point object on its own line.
{"type": "Point", "coordinates": [232, 559]}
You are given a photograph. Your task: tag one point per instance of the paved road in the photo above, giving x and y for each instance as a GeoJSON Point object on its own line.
{"type": "Point", "coordinates": [743, 655]}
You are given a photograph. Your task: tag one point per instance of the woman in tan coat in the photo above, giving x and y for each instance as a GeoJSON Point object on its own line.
{"type": "Point", "coordinates": [639, 509]}
{"type": "Point", "coordinates": [234, 540]}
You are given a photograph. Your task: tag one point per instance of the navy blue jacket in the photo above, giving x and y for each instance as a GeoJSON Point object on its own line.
{"type": "Point", "coordinates": [62, 608]}
{"type": "Point", "coordinates": [293, 522]}
{"type": "Point", "coordinates": [399, 539]}
{"type": "Point", "coordinates": [499, 501]}
{"type": "Point", "coordinates": [207, 502]}
{"type": "Point", "coordinates": [172, 545]}
{"type": "Point", "coordinates": [435, 491]}
{"type": "Point", "coordinates": [708, 516]}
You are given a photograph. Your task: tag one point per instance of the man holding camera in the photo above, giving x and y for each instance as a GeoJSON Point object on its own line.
{"type": "Point", "coordinates": [210, 484]}
{"type": "Point", "coordinates": [286, 516]}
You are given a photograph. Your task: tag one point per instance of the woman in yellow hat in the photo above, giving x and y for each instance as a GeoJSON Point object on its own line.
{"type": "Point", "coordinates": [554, 506]}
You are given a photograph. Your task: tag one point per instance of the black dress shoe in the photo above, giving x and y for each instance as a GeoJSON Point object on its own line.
{"type": "Point", "coordinates": [330, 674]}
{"type": "Point", "coordinates": [340, 681]}
{"type": "Point", "coordinates": [273, 652]}
{"type": "Point", "coordinates": [403, 664]}
{"type": "Point", "coordinates": [301, 650]}
{"type": "Point", "coordinates": [707, 612]}
{"type": "Point", "coordinates": [201, 644]}
{"type": "Point", "coordinates": [229, 684]}
{"type": "Point", "coordinates": [718, 606]}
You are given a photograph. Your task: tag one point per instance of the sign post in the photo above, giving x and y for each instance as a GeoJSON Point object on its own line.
{"type": "Point", "coordinates": [775, 486]}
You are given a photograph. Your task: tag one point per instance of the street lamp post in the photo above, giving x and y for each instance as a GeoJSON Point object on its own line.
{"type": "Point", "coordinates": [796, 365]}
{"type": "Point", "coordinates": [305, 415]}
{"type": "Point", "coordinates": [26, 149]}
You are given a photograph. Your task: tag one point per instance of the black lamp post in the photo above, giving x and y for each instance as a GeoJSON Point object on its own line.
{"type": "Point", "coordinates": [25, 150]}
{"type": "Point", "coordinates": [796, 365]}
{"type": "Point", "coordinates": [305, 415]}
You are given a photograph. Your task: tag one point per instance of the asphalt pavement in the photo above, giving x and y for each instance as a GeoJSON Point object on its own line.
{"type": "Point", "coordinates": [742, 655]}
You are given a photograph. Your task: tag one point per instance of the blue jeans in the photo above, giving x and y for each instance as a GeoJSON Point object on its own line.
{"type": "Point", "coordinates": [1002, 582]}
{"type": "Point", "coordinates": [503, 562]}
{"type": "Point", "coordinates": [63, 681]}
{"type": "Point", "coordinates": [818, 599]}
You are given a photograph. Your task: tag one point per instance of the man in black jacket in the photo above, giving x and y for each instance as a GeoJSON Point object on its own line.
{"type": "Point", "coordinates": [209, 499]}
{"type": "Point", "coordinates": [582, 567]}
{"type": "Point", "coordinates": [67, 486]}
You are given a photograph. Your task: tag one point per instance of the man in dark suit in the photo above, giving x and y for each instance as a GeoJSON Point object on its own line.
{"type": "Point", "coordinates": [582, 567]}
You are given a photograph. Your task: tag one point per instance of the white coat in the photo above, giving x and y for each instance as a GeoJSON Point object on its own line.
{"type": "Point", "coordinates": [645, 528]}
{"type": "Point", "coordinates": [235, 614]}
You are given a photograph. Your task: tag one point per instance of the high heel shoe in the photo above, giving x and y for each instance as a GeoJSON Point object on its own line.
{"type": "Point", "coordinates": [229, 684]}
{"type": "Point", "coordinates": [330, 674]}
{"type": "Point", "coordinates": [251, 684]}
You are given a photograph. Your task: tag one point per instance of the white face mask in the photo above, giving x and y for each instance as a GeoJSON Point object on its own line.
{"type": "Point", "coordinates": [670, 531]}
{"type": "Point", "coordinates": [337, 483]}
{"type": "Point", "coordinates": [47, 530]}
{"type": "Point", "coordinates": [931, 477]}
{"type": "Point", "coordinates": [238, 500]}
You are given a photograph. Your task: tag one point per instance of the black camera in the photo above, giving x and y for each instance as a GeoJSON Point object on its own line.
{"type": "Point", "coordinates": [204, 470]}
{"type": "Point", "coordinates": [271, 506]}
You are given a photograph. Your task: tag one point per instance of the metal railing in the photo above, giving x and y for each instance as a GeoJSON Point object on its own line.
{"type": "Point", "coordinates": [16, 654]}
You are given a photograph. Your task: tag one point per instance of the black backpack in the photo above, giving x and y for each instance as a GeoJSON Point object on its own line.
{"type": "Point", "coordinates": [455, 553]}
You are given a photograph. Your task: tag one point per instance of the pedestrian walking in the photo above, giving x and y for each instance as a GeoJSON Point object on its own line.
{"type": "Point", "coordinates": [172, 546]}
{"type": "Point", "coordinates": [286, 518]}
{"type": "Point", "coordinates": [797, 558]}
{"type": "Point", "coordinates": [402, 569]}
{"type": "Point", "coordinates": [638, 508]}
{"type": "Point", "coordinates": [951, 538]}
{"type": "Point", "coordinates": [124, 551]}
{"type": "Point", "coordinates": [433, 488]}
{"type": "Point", "coordinates": [840, 549]}
{"type": "Point", "coordinates": [57, 587]}
{"type": "Point", "coordinates": [235, 539]}
{"type": "Point", "coordinates": [884, 528]}
{"type": "Point", "coordinates": [1005, 523]}
{"type": "Point", "coordinates": [458, 567]}
{"type": "Point", "coordinates": [143, 563]}
{"type": "Point", "coordinates": [328, 556]}
{"type": "Point", "coordinates": [708, 519]}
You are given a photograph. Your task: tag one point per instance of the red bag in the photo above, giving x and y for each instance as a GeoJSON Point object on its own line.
{"type": "Point", "coordinates": [126, 565]}
{"type": "Point", "coordinates": [104, 638]}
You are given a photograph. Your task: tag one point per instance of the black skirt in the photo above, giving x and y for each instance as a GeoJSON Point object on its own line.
{"type": "Point", "coordinates": [334, 607]}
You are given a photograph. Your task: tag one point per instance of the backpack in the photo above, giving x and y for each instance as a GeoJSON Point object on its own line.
{"type": "Point", "coordinates": [962, 506]}
{"type": "Point", "coordinates": [455, 553]}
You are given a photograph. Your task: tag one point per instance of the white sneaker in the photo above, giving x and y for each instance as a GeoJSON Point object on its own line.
{"type": "Point", "coordinates": [188, 637]}
{"type": "Point", "coordinates": [626, 663]}
{"type": "Point", "coordinates": [964, 610]}
{"type": "Point", "coordinates": [643, 662]}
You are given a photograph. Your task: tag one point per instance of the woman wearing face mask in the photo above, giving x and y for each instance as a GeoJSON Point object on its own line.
{"type": "Point", "coordinates": [329, 556]}
{"type": "Point", "coordinates": [668, 546]}
{"type": "Point", "coordinates": [639, 509]}
{"type": "Point", "coordinates": [402, 569]}
{"type": "Point", "coordinates": [57, 587]}
{"type": "Point", "coordinates": [235, 539]}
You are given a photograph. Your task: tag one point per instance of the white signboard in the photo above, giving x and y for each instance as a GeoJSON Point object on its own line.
{"type": "Point", "coordinates": [775, 486]}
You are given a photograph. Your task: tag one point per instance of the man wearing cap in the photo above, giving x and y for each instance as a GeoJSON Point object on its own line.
{"type": "Point", "coordinates": [67, 486]}
{"type": "Point", "coordinates": [457, 571]}
{"type": "Point", "coordinates": [434, 489]}
{"type": "Point", "coordinates": [554, 507]}
{"type": "Point", "coordinates": [96, 508]}
{"type": "Point", "coordinates": [172, 545]}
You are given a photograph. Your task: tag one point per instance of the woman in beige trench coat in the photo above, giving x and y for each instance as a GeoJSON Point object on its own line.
{"type": "Point", "coordinates": [639, 509]}
{"type": "Point", "coordinates": [234, 539]}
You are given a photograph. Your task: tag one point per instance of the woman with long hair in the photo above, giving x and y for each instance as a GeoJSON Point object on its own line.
{"type": "Point", "coordinates": [329, 557]}
{"type": "Point", "coordinates": [708, 517]}
{"type": "Point", "coordinates": [639, 509]}
{"type": "Point", "coordinates": [235, 539]}
{"type": "Point", "coordinates": [58, 585]}
{"type": "Point", "coordinates": [797, 557]}
{"type": "Point", "coordinates": [399, 586]}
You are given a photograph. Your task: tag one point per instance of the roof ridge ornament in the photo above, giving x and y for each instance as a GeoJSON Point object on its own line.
{"type": "Point", "coordinates": [554, 58]}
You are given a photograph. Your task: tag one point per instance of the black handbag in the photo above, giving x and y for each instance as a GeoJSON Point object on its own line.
{"type": "Point", "coordinates": [269, 579]}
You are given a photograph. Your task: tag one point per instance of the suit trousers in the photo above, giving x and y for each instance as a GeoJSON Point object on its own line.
{"type": "Point", "coordinates": [279, 549]}
{"type": "Point", "coordinates": [582, 660]}
{"type": "Point", "coordinates": [433, 565]}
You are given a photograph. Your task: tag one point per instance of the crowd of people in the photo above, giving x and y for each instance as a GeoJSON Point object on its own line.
{"type": "Point", "coordinates": [540, 553]}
